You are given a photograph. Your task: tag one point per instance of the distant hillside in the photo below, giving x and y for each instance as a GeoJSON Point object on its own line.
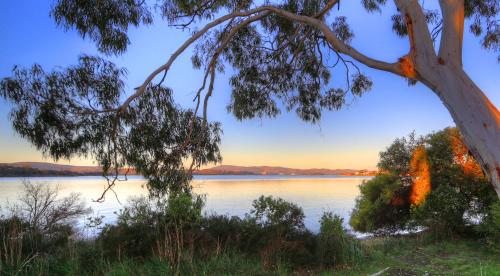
{"type": "Point", "coordinates": [267, 170]}
{"type": "Point", "coordinates": [55, 167]}
{"type": "Point", "coordinates": [48, 169]}
{"type": "Point", "coordinates": [21, 169]}
{"type": "Point", "coordinates": [12, 171]}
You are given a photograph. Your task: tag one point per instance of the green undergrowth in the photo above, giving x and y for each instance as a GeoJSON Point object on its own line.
{"type": "Point", "coordinates": [404, 255]}
{"type": "Point", "coordinates": [421, 255]}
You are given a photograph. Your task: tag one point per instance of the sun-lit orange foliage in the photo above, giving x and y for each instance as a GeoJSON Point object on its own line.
{"type": "Point", "coordinates": [461, 155]}
{"type": "Point", "coordinates": [420, 168]}
{"type": "Point", "coordinates": [421, 177]}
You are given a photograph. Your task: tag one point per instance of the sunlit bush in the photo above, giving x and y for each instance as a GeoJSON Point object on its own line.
{"type": "Point", "coordinates": [431, 181]}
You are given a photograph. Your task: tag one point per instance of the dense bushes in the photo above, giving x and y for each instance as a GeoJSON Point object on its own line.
{"type": "Point", "coordinates": [273, 231]}
{"type": "Point", "coordinates": [161, 228]}
{"type": "Point", "coordinates": [170, 232]}
{"type": "Point", "coordinates": [382, 205]}
{"type": "Point", "coordinates": [490, 228]}
{"type": "Point", "coordinates": [281, 235]}
{"type": "Point", "coordinates": [430, 181]}
{"type": "Point", "coordinates": [443, 212]}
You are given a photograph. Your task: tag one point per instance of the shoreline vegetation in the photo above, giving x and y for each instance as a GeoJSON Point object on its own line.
{"type": "Point", "coordinates": [40, 169]}
{"type": "Point", "coordinates": [172, 237]}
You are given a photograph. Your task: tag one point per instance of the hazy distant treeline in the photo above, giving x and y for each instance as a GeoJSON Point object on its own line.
{"type": "Point", "coordinates": [10, 171]}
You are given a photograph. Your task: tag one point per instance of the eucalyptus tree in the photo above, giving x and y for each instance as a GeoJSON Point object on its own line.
{"type": "Point", "coordinates": [279, 52]}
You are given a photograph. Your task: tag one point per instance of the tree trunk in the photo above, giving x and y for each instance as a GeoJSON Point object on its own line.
{"type": "Point", "coordinates": [476, 117]}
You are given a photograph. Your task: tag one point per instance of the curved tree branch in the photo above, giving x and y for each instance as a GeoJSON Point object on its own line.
{"type": "Point", "coordinates": [165, 67]}
{"type": "Point", "coordinates": [330, 36]}
{"type": "Point", "coordinates": [337, 44]}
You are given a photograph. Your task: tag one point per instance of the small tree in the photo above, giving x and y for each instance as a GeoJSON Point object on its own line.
{"type": "Point", "coordinates": [39, 223]}
{"type": "Point", "coordinates": [277, 214]}
{"type": "Point", "coordinates": [43, 210]}
{"type": "Point", "coordinates": [282, 230]}
{"type": "Point", "coordinates": [279, 51]}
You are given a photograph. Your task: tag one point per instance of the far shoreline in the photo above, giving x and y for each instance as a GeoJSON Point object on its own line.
{"type": "Point", "coordinates": [214, 175]}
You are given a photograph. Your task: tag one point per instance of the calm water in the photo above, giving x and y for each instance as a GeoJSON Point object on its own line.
{"type": "Point", "coordinates": [232, 195]}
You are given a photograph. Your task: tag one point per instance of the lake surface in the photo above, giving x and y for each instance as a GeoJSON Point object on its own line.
{"type": "Point", "coordinates": [232, 195]}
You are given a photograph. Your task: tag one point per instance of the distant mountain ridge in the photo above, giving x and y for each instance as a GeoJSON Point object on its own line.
{"type": "Point", "coordinates": [271, 170]}
{"type": "Point", "coordinates": [54, 167]}
{"type": "Point", "coordinates": [50, 169]}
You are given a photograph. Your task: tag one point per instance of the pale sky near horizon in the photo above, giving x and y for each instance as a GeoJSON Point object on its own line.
{"type": "Point", "coordinates": [349, 138]}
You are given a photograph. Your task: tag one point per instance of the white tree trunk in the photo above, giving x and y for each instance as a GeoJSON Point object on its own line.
{"type": "Point", "coordinates": [476, 117]}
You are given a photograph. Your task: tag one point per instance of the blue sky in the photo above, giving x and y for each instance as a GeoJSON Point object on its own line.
{"type": "Point", "coordinates": [349, 138]}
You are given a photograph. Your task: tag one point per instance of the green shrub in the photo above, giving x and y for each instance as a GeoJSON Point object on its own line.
{"type": "Point", "coordinates": [89, 256]}
{"type": "Point", "coordinates": [221, 233]}
{"type": "Point", "coordinates": [443, 212]}
{"type": "Point", "coordinates": [334, 245]}
{"type": "Point", "coordinates": [127, 240]}
{"type": "Point", "coordinates": [490, 227]}
{"type": "Point", "coordinates": [382, 205]}
{"type": "Point", "coordinates": [133, 233]}
{"type": "Point", "coordinates": [276, 212]}
{"type": "Point", "coordinates": [165, 227]}
{"type": "Point", "coordinates": [281, 237]}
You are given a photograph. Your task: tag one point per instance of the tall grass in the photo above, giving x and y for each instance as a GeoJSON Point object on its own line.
{"type": "Point", "coordinates": [11, 247]}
